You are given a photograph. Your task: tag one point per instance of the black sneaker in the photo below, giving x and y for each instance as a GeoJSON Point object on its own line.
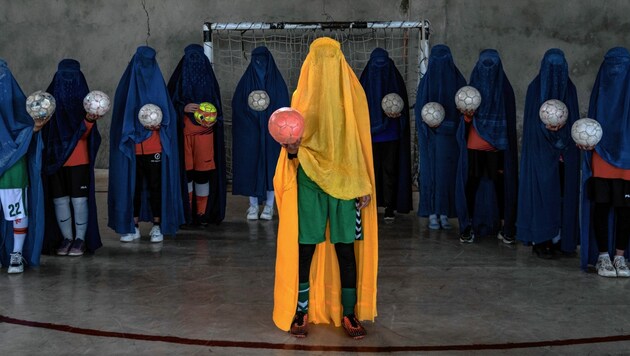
{"type": "Point", "coordinates": [506, 238]}
{"type": "Point", "coordinates": [389, 214]}
{"type": "Point", "coordinates": [468, 236]}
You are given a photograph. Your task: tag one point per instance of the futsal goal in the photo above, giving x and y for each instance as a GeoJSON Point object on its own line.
{"type": "Point", "coordinates": [229, 47]}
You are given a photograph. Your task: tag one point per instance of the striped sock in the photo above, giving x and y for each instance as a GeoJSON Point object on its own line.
{"type": "Point", "coordinates": [303, 290]}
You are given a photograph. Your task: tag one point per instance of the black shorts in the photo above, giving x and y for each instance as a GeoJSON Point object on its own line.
{"type": "Point", "coordinates": [71, 181]}
{"type": "Point", "coordinates": [615, 192]}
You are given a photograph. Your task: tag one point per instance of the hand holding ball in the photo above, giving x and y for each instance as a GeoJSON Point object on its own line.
{"type": "Point", "coordinates": [286, 126]}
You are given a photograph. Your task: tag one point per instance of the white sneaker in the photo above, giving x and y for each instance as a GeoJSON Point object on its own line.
{"type": "Point", "coordinates": [446, 225]}
{"type": "Point", "coordinates": [604, 267]}
{"type": "Point", "coordinates": [252, 212]}
{"type": "Point", "coordinates": [433, 222]}
{"type": "Point", "coordinates": [16, 264]}
{"type": "Point", "coordinates": [620, 265]}
{"type": "Point", "coordinates": [130, 237]}
{"type": "Point", "coordinates": [267, 213]}
{"type": "Point", "coordinates": [156, 234]}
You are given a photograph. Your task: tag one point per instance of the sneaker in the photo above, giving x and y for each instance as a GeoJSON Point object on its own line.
{"type": "Point", "coordinates": [446, 225]}
{"type": "Point", "coordinates": [620, 265]}
{"type": "Point", "coordinates": [389, 214]}
{"type": "Point", "coordinates": [252, 212]}
{"type": "Point", "coordinates": [506, 238]}
{"type": "Point", "coordinates": [16, 264]}
{"type": "Point", "coordinates": [299, 325]}
{"type": "Point", "coordinates": [468, 236]}
{"type": "Point", "coordinates": [267, 213]}
{"type": "Point", "coordinates": [64, 248]}
{"type": "Point", "coordinates": [78, 246]}
{"type": "Point", "coordinates": [156, 234]}
{"type": "Point", "coordinates": [604, 267]}
{"type": "Point", "coordinates": [130, 237]}
{"type": "Point", "coordinates": [433, 222]}
{"type": "Point", "coordinates": [353, 327]}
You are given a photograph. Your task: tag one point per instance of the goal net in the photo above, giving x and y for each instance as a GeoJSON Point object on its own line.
{"type": "Point", "coordinates": [229, 47]}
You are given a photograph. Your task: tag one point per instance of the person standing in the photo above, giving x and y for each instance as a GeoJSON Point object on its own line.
{"type": "Point", "coordinates": [437, 146]}
{"type": "Point", "coordinates": [327, 255]}
{"type": "Point", "coordinates": [390, 134]}
{"type": "Point", "coordinates": [254, 151]}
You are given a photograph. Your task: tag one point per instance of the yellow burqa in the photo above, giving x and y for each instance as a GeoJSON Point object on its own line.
{"type": "Point", "coordinates": [336, 153]}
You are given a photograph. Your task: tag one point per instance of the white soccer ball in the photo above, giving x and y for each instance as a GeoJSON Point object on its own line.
{"type": "Point", "coordinates": [40, 105]}
{"type": "Point", "coordinates": [258, 100]}
{"type": "Point", "coordinates": [96, 103]}
{"type": "Point", "coordinates": [586, 132]}
{"type": "Point", "coordinates": [553, 112]}
{"type": "Point", "coordinates": [150, 115]}
{"type": "Point", "coordinates": [392, 104]}
{"type": "Point", "coordinates": [467, 99]}
{"type": "Point", "coordinates": [433, 114]}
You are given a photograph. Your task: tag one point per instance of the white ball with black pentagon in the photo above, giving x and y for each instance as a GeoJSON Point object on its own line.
{"type": "Point", "coordinates": [392, 104]}
{"type": "Point", "coordinates": [258, 100]}
{"type": "Point", "coordinates": [150, 115]}
{"type": "Point", "coordinates": [586, 132]}
{"type": "Point", "coordinates": [433, 114]}
{"type": "Point", "coordinates": [467, 99]}
{"type": "Point", "coordinates": [40, 105]}
{"type": "Point", "coordinates": [97, 103]}
{"type": "Point", "coordinates": [553, 113]}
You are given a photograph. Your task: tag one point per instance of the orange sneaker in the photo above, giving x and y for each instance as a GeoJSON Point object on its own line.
{"type": "Point", "coordinates": [353, 327]}
{"type": "Point", "coordinates": [299, 325]}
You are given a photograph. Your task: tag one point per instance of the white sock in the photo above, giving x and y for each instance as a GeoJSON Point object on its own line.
{"type": "Point", "coordinates": [80, 207]}
{"type": "Point", "coordinates": [20, 227]}
{"type": "Point", "coordinates": [603, 255]}
{"type": "Point", "coordinates": [253, 201]}
{"type": "Point", "coordinates": [433, 216]}
{"type": "Point", "coordinates": [203, 190]}
{"type": "Point", "coordinates": [270, 198]}
{"type": "Point", "coordinates": [64, 216]}
{"type": "Point", "coordinates": [556, 238]}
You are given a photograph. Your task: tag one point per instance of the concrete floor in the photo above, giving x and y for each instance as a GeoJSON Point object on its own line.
{"type": "Point", "coordinates": [210, 291]}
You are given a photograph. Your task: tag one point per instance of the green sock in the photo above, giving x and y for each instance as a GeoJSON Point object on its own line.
{"type": "Point", "coordinates": [348, 300]}
{"type": "Point", "coordinates": [303, 289]}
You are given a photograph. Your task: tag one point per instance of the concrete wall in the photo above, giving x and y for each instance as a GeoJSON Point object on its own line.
{"type": "Point", "coordinates": [103, 34]}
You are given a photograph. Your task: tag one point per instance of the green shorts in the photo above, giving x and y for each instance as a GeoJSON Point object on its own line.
{"type": "Point", "coordinates": [316, 208]}
{"type": "Point", "coordinates": [15, 177]}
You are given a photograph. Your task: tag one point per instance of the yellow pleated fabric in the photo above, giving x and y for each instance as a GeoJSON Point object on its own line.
{"type": "Point", "coordinates": [336, 153]}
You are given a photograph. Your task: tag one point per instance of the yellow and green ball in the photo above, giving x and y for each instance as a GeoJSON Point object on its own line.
{"type": "Point", "coordinates": [206, 115]}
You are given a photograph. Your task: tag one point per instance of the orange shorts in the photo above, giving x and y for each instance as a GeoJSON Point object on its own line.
{"type": "Point", "coordinates": [199, 152]}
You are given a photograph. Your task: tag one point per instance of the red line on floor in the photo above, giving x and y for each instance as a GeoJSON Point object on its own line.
{"type": "Point", "coordinates": [276, 346]}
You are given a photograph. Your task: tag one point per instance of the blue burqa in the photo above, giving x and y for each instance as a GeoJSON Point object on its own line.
{"type": "Point", "coordinates": [495, 122]}
{"type": "Point", "coordinates": [548, 207]}
{"type": "Point", "coordinates": [610, 106]}
{"type": "Point", "coordinates": [379, 78]}
{"type": "Point", "coordinates": [61, 136]}
{"type": "Point", "coordinates": [193, 81]}
{"type": "Point", "coordinates": [438, 147]}
{"type": "Point", "coordinates": [254, 151]}
{"type": "Point", "coordinates": [16, 141]}
{"type": "Point", "coordinates": [142, 83]}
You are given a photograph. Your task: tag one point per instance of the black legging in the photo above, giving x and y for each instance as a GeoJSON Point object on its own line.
{"type": "Point", "coordinates": [345, 257]}
{"type": "Point", "coordinates": [149, 168]}
{"type": "Point", "coordinates": [622, 226]}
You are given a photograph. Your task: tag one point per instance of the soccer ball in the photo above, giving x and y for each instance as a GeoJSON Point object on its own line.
{"type": "Point", "coordinates": [286, 125]}
{"type": "Point", "coordinates": [553, 112]}
{"type": "Point", "coordinates": [96, 103]}
{"type": "Point", "coordinates": [392, 104]}
{"type": "Point", "coordinates": [433, 114]}
{"type": "Point", "coordinates": [40, 105]}
{"type": "Point", "coordinates": [258, 100]}
{"type": "Point", "coordinates": [206, 115]}
{"type": "Point", "coordinates": [467, 99]}
{"type": "Point", "coordinates": [586, 132]}
{"type": "Point", "coordinates": [150, 116]}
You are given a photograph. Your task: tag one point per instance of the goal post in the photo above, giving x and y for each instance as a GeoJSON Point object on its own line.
{"type": "Point", "coordinates": [228, 46]}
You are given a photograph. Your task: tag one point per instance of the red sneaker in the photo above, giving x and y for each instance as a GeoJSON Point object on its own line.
{"type": "Point", "coordinates": [299, 325]}
{"type": "Point", "coordinates": [353, 327]}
